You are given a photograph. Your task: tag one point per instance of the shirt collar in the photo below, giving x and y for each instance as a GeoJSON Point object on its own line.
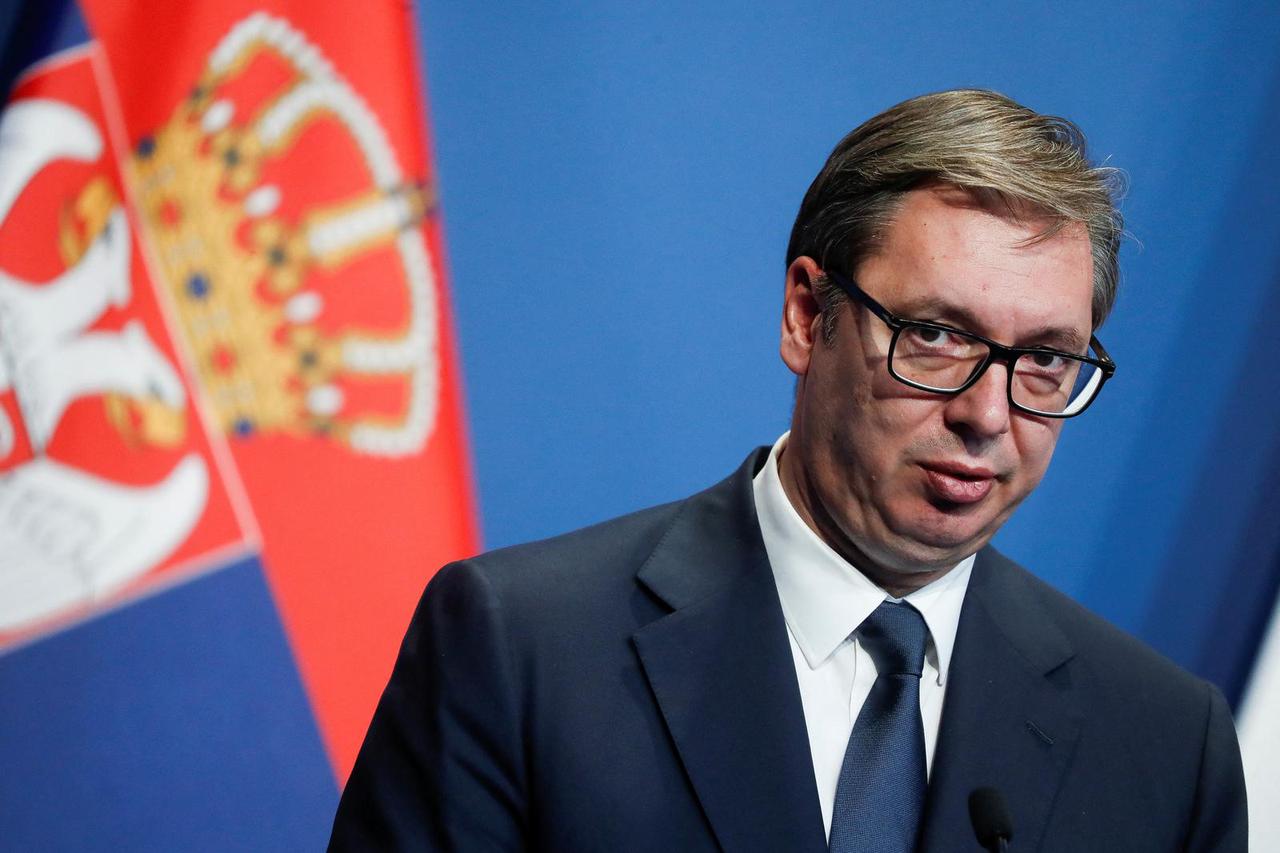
{"type": "Point", "coordinates": [825, 598]}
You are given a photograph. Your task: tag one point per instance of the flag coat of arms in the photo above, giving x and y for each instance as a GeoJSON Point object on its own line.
{"type": "Point", "coordinates": [231, 433]}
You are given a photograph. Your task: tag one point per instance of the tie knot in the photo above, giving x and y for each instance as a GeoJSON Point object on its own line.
{"type": "Point", "coordinates": [894, 635]}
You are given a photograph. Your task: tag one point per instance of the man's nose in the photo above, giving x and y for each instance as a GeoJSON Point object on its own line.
{"type": "Point", "coordinates": [982, 410]}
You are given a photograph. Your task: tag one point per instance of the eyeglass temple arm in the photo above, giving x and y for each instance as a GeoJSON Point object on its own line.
{"type": "Point", "coordinates": [851, 288]}
{"type": "Point", "coordinates": [1103, 355]}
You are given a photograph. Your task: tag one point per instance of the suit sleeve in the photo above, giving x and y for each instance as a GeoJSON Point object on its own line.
{"type": "Point", "coordinates": [1220, 822]}
{"type": "Point", "coordinates": [441, 767]}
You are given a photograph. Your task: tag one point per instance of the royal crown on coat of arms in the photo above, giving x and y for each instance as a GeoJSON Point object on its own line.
{"type": "Point", "coordinates": [272, 271]}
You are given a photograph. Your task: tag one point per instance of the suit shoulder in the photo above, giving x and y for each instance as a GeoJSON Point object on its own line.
{"type": "Point", "coordinates": [575, 564]}
{"type": "Point", "coordinates": [1110, 650]}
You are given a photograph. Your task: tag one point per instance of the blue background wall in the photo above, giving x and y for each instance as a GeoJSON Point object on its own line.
{"type": "Point", "coordinates": [618, 184]}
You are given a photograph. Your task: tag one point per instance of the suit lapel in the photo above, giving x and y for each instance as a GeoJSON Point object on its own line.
{"type": "Point", "coordinates": [721, 671]}
{"type": "Point", "coordinates": [1009, 720]}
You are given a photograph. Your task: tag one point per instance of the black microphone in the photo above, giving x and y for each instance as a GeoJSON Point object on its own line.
{"type": "Point", "coordinates": [989, 814]}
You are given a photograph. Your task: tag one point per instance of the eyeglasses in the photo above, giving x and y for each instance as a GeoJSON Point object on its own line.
{"type": "Point", "coordinates": [938, 358]}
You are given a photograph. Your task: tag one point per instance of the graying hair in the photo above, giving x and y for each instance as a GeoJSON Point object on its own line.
{"type": "Point", "coordinates": [1010, 157]}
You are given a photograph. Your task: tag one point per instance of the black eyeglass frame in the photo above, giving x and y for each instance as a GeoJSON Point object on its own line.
{"type": "Point", "coordinates": [996, 351]}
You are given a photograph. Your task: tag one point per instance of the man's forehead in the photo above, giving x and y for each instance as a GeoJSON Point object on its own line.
{"type": "Point", "coordinates": [941, 208]}
{"type": "Point", "coordinates": [950, 250]}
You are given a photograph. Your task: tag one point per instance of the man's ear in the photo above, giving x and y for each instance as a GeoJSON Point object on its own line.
{"type": "Point", "coordinates": [801, 315]}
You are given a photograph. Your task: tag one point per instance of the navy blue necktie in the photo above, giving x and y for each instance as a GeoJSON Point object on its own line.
{"type": "Point", "coordinates": [880, 795]}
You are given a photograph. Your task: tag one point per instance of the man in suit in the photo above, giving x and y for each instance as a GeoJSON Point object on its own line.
{"type": "Point", "coordinates": [822, 652]}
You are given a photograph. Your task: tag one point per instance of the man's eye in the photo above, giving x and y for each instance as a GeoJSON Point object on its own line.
{"type": "Point", "coordinates": [933, 337]}
{"type": "Point", "coordinates": [1048, 361]}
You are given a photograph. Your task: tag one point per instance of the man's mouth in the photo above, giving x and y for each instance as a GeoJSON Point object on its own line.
{"type": "Point", "coordinates": [956, 483]}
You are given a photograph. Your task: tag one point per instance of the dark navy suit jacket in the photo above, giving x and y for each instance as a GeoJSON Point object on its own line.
{"type": "Point", "coordinates": [629, 687]}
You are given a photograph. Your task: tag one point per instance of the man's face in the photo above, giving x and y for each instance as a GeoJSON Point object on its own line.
{"type": "Point", "coordinates": [904, 482]}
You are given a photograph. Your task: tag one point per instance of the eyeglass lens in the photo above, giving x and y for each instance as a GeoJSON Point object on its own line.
{"type": "Point", "coordinates": [945, 361]}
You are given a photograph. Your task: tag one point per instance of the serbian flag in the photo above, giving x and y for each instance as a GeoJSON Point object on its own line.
{"type": "Point", "coordinates": [231, 433]}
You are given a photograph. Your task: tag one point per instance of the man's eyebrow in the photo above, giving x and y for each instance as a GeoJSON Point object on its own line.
{"type": "Point", "coordinates": [1058, 337]}
{"type": "Point", "coordinates": [939, 310]}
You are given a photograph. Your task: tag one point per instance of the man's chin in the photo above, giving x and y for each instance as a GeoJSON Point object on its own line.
{"type": "Point", "coordinates": [936, 543]}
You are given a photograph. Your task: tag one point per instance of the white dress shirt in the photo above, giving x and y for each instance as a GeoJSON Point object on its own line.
{"type": "Point", "coordinates": [824, 600]}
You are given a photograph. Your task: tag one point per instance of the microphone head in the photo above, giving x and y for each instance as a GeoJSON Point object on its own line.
{"type": "Point", "coordinates": [989, 814]}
